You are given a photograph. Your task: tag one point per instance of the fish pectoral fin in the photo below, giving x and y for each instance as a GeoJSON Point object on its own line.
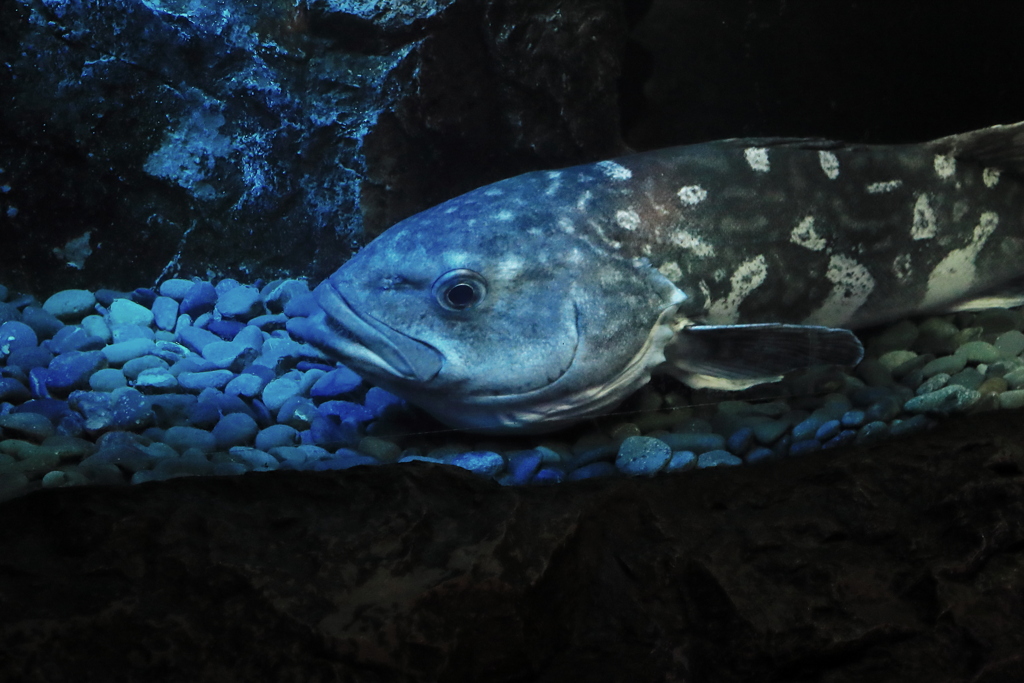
{"type": "Point", "coordinates": [739, 356]}
{"type": "Point", "coordinates": [1007, 295]}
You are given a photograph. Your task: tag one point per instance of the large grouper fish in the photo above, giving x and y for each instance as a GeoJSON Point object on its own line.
{"type": "Point", "coordinates": [549, 297]}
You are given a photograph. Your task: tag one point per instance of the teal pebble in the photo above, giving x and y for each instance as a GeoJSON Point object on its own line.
{"type": "Point", "coordinates": [914, 425]}
{"type": "Point", "coordinates": [950, 399]}
{"type": "Point", "coordinates": [696, 442]}
{"type": "Point", "coordinates": [804, 447]}
{"type": "Point", "coordinates": [852, 418]}
{"type": "Point", "coordinates": [642, 455]}
{"type": "Point", "coordinates": [759, 454]}
{"type": "Point", "coordinates": [1010, 344]}
{"type": "Point", "coordinates": [946, 365]}
{"type": "Point", "coordinates": [979, 352]}
{"type": "Point", "coordinates": [872, 432]}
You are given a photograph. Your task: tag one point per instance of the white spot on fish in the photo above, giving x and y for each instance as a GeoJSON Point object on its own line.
{"type": "Point", "coordinates": [614, 170]}
{"type": "Point", "coordinates": [747, 277]}
{"type": "Point", "coordinates": [805, 236]}
{"type": "Point", "coordinates": [902, 267]}
{"type": "Point", "coordinates": [671, 270]}
{"type": "Point", "coordinates": [945, 166]}
{"type": "Point", "coordinates": [952, 278]}
{"type": "Point", "coordinates": [494, 192]}
{"type": "Point", "coordinates": [706, 291]}
{"type": "Point", "coordinates": [504, 215]}
{"type": "Point", "coordinates": [628, 219]}
{"type": "Point", "coordinates": [757, 157]}
{"type": "Point", "coordinates": [852, 284]}
{"type": "Point", "coordinates": [556, 181]}
{"type": "Point", "coordinates": [566, 226]}
{"type": "Point", "coordinates": [924, 226]}
{"type": "Point", "coordinates": [452, 209]}
{"type": "Point", "coordinates": [687, 240]}
{"type": "Point", "coordinates": [692, 194]}
{"type": "Point", "coordinates": [829, 164]}
{"type": "Point", "coordinates": [510, 266]}
{"type": "Point", "coordinates": [581, 203]}
{"type": "Point", "coordinates": [883, 187]}
{"type": "Point", "coordinates": [990, 176]}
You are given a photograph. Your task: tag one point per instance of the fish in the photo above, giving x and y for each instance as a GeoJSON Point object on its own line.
{"type": "Point", "coordinates": [543, 299]}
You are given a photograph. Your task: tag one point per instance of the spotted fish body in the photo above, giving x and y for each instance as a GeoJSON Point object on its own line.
{"type": "Point", "coordinates": [550, 296]}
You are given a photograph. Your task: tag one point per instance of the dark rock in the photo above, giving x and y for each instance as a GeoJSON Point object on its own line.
{"type": "Point", "coordinates": [273, 137]}
{"type": "Point", "coordinates": [895, 558]}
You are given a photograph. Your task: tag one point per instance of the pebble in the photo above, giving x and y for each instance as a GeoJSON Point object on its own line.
{"type": "Point", "coordinates": [643, 455]}
{"type": "Point", "coordinates": [979, 352]}
{"type": "Point", "coordinates": [16, 335]}
{"type": "Point", "coordinates": [740, 441]}
{"type": "Point", "coordinates": [914, 425]}
{"type": "Point", "coordinates": [122, 352]}
{"type": "Point", "coordinates": [70, 305]}
{"type": "Point", "coordinates": [717, 458]}
{"type": "Point", "coordinates": [127, 312]}
{"type": "Point", "coordinates": [697, 442]}
{"type": "Point", "coordinates": [235, 429]}
{"type": "Point", "coordinates": [894, 359]}
{"type": "Point", "coordinates": [240, 302]}
{"type": "Point", "coordinates": [380, 449]}
{"type": "Point", "coordinates": [71, 370]}
{"type": "Point", "coordinates": [946, 365]}
{"type": "Point", "coordinates": [827, 430]}
{"type": "Point", "coordinates": [934, 383]}
{"type": "Point", "coordinates": [29, 425]}
{"type": "Point", "coordinates": [199, 299]}
{"type": "Point", "coordinates": [592, 471]}
{"type": "Point", "coordinates": [107, 379]}
{"type": "Point", "coordinates": [950, 399]}
{"type": "Point", "coordinates": [682, 461]}
{"type": "Point", "coordinates": [207, 379]}
{"type": "Point", "coordinates": [522, 466]}
{"type": "Point", "coordinates": [276, 435]}
{"type": "Point", "coordinates": [484, 463]}
{"type": "Point", "coordinates": [804, 446]}
{"type": "Point", "coordinates": [969, 378]}
{"type": "Point", "coordinates": [184, 438]}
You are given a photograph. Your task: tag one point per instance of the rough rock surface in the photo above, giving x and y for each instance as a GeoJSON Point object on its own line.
{"type": "Point", "coordinates": [900, 562]}
{"type": "Point", "coordinates": [146, 139]}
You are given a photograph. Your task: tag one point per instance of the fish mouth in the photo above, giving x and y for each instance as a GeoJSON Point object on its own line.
{"type": "Point", "coordinates": [371, 345]}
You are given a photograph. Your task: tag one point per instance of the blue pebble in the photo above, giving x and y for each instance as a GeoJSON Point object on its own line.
{"type": "Point", "coordinates": [200, 298]}
{"type": "Point", "coordinates": [548, 475]}
{"type": "Point", "coordinates": [336, 383]}
{"type": "Point", "coordinates": [301, 306]}
{"type": "Point", "coordinates": [740, 441]}
{"type": "Point", "coordinates": [74, 338]}
{"type": "Point", "coordinates": [175, 288]}
{"type": "Point", "coordinates": [807, 429]}
{"type": "Point", "coordinates": [44, 323]}
{"type": "Point", "coordinates": [16, 335]}
{"type": "Point", "coordinates": [225, 329]}
{"type": "Point", "coordinates": [260, 412]}
{"type": "Point", "coordinates": [843, 438]}
{"type": "Point", "coordinates": [51, 408]}
{"type": "Point", "coordinates": [330, 432]}
{"type": "Point", "coordinates": [70, 371]}
{"type": "Point", "coordinates": [781, 447]}
{"type": "Point", "coordinates": [130, 410]}
{"type": "Point", "coordinates": [759, 454]}
{"type": "Point", "coordinates": [642, 455]}
{"type": "Point", "coordinates": [13, 391]}
{"type": "Point", "coordinates": [95, 407]}
{"type": "Point", "coordinates": [165, 313]}
{"type": "Point", "coordinates": [245, 385]}
{"type": "Point", "coordinates": [523, 465]}
{"type": "Point", "coordinates": [261, 371]}
{"type": "Point", "coordinates": [827, 430]}
{"type": "Point", "coordinates": [682, 461]}
{"type": "Point", "coordinates": [240, 302]}
{"type": "Point", "coordinates": [276, 435]}
{"type": "Point", "coordinates": [717, 458]}
{"type": "Point", "coordinates": [71, 424]}
{"type": "Point", "coordinates": [853, 418]}
{"type": "Point", "coordinates": [196, 338]}
{"type": "Point", "coordinates": [209, 379]}
{"type": "Point", "coordinates": [235, 429]}
{"type": "Point", "coordinates": [379, 401]}
{"type": "Point", "coordinates": [144, 296]}
{"type": "Point", "coordinates": [346, 410]}
{"type": "Point", "coordinates": [804, 447]}
{"type": "Point", "coordinates": [37, 383]}
{"type": "Point", "coordinates": [29, 357]}
{"type": "Point", "coordinates": [592, 471]}
{"type": "Point", "coordinates": [484, 463]}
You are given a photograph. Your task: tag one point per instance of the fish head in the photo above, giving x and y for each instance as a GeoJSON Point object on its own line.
{"type": "Point", "coordinates": [495, 316]}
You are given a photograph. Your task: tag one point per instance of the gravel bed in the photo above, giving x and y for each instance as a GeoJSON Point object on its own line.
{"type": "Point", "coordinates": [194, 378]}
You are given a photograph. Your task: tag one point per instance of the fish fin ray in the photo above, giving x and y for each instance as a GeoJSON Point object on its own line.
{"type": "Point", "coordinates": [739, 356]}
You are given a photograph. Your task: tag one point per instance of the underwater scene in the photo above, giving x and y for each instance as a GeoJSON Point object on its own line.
{"type": "Point", "coordinates": [503, 340]}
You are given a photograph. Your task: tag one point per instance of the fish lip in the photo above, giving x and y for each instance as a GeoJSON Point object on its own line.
{"type": "Point", "coordinates": [374, 345]}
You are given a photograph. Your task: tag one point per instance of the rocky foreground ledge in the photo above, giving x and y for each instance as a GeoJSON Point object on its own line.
{"type": "Point", "coordinates": [894, 562]}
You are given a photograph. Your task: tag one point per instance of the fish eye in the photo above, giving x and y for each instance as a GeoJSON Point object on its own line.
{"type": "Point", "coordinates": [460, 289]}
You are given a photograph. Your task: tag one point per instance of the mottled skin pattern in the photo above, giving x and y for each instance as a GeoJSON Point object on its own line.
{"type": "Point", "coordinates": [573, 286]}
{"type": "Point", "coordinates": [857, 211]}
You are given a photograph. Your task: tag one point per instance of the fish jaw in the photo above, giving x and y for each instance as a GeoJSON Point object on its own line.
{"type": "Point", "coordinates": [373, 349]}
